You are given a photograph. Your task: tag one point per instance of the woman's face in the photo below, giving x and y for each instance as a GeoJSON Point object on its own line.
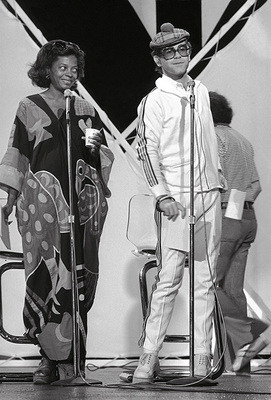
{"type": "Point", "coordinates": [64, 72]}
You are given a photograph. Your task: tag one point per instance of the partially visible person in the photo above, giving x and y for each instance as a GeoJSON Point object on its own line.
{"type": "Point", "coordinates": [246, 336]}
{"type": "Point", "coordinates": [34, 173]}
{"type": "Point", "coordinates": [164, 137]}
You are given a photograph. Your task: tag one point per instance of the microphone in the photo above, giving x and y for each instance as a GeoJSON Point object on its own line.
{"type": "Point", "coordinates": [67, 93]}
{"type": "Point", "coordinates": [68, 96]}
{"type": "Point", "coordinates": [190, 86]}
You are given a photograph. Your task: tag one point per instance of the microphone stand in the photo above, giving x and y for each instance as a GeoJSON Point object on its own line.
{"type": "Point", "coordinates": [200, 381]}
{"type": "Point", "coordinates": [192, 379]}
{"type": "Point", "coordinates": [77, 379]}
{"type": "Point", "coordinates": [192, 231]}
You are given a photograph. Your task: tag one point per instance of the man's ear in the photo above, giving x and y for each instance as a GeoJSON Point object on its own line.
{"type": "Point", "coordinates": [157, 61]}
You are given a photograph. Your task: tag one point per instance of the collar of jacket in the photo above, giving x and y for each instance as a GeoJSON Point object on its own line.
{"type": "Point", "coordinates": [169, 85]}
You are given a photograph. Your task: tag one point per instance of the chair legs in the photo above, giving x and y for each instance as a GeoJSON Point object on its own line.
{"type": "Point", "coordinates": [18, 264]}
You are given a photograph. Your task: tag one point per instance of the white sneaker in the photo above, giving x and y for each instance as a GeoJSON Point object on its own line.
{"type": "Point", "coordinates": [247, 353]}
{"type": "Point", "coordinates": [148, 368]}
{"type": "Point", "coordinates": [202, 364]}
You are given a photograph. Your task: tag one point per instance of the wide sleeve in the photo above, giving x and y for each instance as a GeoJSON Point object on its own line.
{"type": "Point", "coordinates": [16, 161]}
{"type": "Point", "coordinates": [106, 157]}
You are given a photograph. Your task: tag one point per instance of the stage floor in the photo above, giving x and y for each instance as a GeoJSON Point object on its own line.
{"type": "Point", "coordinates": [228, 386]}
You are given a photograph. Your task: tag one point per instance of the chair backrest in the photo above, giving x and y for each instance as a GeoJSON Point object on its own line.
{"type": "Point", "coordinates": [141, 229]}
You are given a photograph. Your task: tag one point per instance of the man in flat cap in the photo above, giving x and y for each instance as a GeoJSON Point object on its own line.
{"type": "Point", "coordinates": [164, 139]}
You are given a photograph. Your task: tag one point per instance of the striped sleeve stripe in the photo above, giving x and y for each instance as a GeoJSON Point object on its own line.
{"type": "Point", "coordinates": [142, 147]}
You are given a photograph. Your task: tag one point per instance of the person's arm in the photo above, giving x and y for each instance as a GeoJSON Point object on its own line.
{"type": "Point", "coordinates": [221, 145]}
{"type": "Point", "coordinates": [256, 187]}
{"type": "Point", "coordinates": [149, 130]}
{"type": "Point", "coordinates": [255, 184]}
{"type": "Point", "coordinates": [7, 208]}
{"type": "Point", "coordinates": [102, 156]}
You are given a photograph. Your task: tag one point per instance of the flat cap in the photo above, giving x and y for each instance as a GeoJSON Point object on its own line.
{"type": "Point", "coordinates": [168, 36]}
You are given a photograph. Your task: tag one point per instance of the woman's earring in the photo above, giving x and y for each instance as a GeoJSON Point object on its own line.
{"type": "Point", "coordinates": [47, 76]}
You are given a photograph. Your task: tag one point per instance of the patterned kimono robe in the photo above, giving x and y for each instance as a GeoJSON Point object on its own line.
{"type": "Point", "coordinates": [36, 165]}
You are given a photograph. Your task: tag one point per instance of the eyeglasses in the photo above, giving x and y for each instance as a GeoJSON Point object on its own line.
{"type": "Point", "coordinates": [169, 52]}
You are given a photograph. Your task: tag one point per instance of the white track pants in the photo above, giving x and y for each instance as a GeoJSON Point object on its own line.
{"type": "Point", "coordinates": [170, 274]}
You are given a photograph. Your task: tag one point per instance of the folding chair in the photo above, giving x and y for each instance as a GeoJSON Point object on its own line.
{"type": "Point", "coordinates": [15, 263]}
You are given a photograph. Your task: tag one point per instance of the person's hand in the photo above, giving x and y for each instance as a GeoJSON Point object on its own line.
{"type": "Point", "coordinates": [223, 182]}
{"type": "Point", "coordinates": [93, 139]}
{"type": "Point", "coordinates": [7, 210]}
{"type": "Point", "coordinates": [171, 209]}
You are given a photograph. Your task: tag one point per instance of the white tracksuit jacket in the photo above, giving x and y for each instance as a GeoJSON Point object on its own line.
{"type": "Point", "coordinates": [164, 138]}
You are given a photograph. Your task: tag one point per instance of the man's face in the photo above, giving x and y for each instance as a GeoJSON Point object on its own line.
{"type": "Point", "coordinates": [175, 67]}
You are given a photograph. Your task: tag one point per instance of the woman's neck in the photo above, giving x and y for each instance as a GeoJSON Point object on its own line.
{"type": "Point", "coordinates": [53, 94]}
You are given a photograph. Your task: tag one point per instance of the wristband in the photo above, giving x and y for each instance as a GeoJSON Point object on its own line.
{"type": "Point", "coordinates": [160, 199]}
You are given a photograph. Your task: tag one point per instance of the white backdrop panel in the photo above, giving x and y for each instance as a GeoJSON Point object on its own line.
{"type": "Point", "coordinates": [242, 72]}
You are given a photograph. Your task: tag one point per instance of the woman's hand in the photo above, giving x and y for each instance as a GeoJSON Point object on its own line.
{"type": "Point", "coordinates": [7, 210]}
{"type": "Point", "coordinates": [93, 139]}
{"type": "Point", "coordinates": [8, 207]}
